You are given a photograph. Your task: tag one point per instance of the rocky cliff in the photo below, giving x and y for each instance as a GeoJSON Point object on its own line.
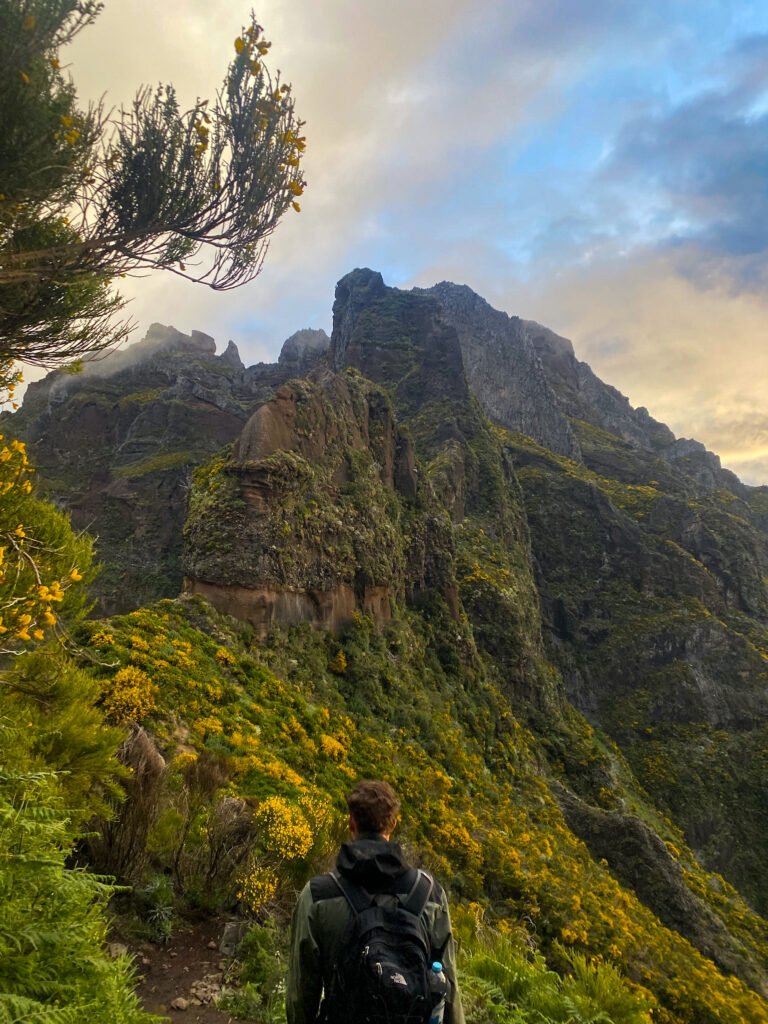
{"type": "Point", "coordinates": [438, 456]}
{"type": "Point", "coordinates": [116, 444]}
{"type": "Point", "coordinates": [503, 368]}
{"type": "Point", "coordinates": [317, 513]}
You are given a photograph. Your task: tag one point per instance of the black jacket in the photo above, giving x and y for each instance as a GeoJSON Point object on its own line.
{"type": "Point", "coordinates": [322, 917]}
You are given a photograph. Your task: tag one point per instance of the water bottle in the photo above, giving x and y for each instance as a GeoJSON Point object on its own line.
{"type": "Point", "coordinates": [438, 986]}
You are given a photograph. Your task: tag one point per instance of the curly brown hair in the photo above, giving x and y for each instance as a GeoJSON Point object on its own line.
{"type": "Point", "coordinates": [374, 806]}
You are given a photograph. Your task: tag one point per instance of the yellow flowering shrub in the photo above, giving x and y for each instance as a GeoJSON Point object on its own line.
{"type": "Point", "coordinates": [338, 664]}
{"type": "Point", "coordinates": [214, 690]}
{"type": "Point", "coordinates": [40, 557]}
{"type": "Point", "coordinates": [102, 638]}
{"type": "Point", "coordinates": [184, 760]}
{"type": "Point", "coordinates": [499, 831]}
{"type": "Point", "coordinates": [332, 748]}
{"type": "Point", "coordinates": [295, 734]}
{"type": "Point", "coordinates": [225, 657]}
{"type": "Point", "coordinates": [281, 772]}
{"type": "Point", "coordinates": [257, 888]}
{"type": "Point", "coordinates": [129, 695]}
{"type": "Point", "coordinates": [210, 724]}
{"type": "Point", "coordinates": [284, 828]}
{"type": "Point", "coordinates": [317, 809]}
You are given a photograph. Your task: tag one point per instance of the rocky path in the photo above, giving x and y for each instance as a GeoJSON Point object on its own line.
{"type": "Point", "coordinates": [182, 980]}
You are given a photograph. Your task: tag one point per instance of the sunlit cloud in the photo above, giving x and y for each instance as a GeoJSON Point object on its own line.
{"type": "Point", "coordinates": [600, 167]}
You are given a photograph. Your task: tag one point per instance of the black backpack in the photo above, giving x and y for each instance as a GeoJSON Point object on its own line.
{"type": "Point", "coordinates": [382, 975]}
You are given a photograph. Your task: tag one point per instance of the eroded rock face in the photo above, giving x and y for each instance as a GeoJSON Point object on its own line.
{"type": "Point", "coordinates": [303, 351]}
{"type": "Point", "coordinates": [654, 600]}
{"type": "Point", "coordinates": [404, 341]}
{"type": "Point", "coordinates": [116, 445]}
{"type": "Point", "coordinates": [584, 397]}
{"type": "Point", "coordinates": [503, 368]}
{"type": "Point", "coordinates": [302, 522]}
{"type": "Point", "coordinates": [265, 607]}
{"type": "Point", "coordinates": [354, 293]}
{"type": "Point", "coordinates": [642, 861]}
{"type": "Point", "coordinates": [398, 339]}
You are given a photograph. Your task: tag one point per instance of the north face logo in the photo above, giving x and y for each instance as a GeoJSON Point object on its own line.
{"type": "Point", "coordinates": [398, 979]}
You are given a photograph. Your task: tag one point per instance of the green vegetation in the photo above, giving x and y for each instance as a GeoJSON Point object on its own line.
{"type": "Point", "coordinates": [655, 597]}
{"type": "Point", "coordinates": [263, 739]}
{"type": "Point", "coordinates": [156, 464]}
{"type": "Point", "coordinates": [313, 518]}
{"type": "Point", "coordinates": [203, 764]}
{"type": "Point", "coordinates": [57, 768]}
{"type": "Point", "coordinates": [53, 964]}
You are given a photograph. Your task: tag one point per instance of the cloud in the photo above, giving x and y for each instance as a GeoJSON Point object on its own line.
{"type": "Point", "coordinates": [695, 356]}
{"type": "Point", "coordinates": [600, 167]}
{"type": "Point", "coordinates": [705, 161]}
{"type": "Point", "coordinates": [401, 106]}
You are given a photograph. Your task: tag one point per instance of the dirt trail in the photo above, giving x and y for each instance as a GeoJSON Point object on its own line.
{"type": "Point", "coordinates": [190, 967]}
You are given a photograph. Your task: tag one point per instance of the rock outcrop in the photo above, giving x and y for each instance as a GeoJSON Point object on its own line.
{"type": "Point", "coordinates": [303, 351]}
{"type": "Point", "coordinates": [302, 522]}
{"type": "Point", "coordinates": [116, 445]}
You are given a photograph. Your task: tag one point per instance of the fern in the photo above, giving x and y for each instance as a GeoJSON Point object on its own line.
{"type": "Point", "coordinates": [21, 1010]}
{"type": "Point", "coordinates": [53, 965]}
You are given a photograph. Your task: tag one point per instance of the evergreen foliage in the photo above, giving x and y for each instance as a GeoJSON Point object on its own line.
{"type": "Point", "coordinates": [55, 701]}
{"type": "Point", "coordinates": [57, 768]}
{"type": "Point", "coordinates": [54, 968]}
{"type": "Point", "coordinates": [87, 196]}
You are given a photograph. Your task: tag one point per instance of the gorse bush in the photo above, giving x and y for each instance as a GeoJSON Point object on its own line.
{"type": "Point", "coordinates": [257, 888]}
{"type": "Point", "coordinates": [129, 695]}
{"type": "Point", "coordinates": [41, 559]}
{"type": "Point", "coordinates": [285, 829]}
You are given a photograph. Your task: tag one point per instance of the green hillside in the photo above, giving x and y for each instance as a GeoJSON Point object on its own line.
{"type": "Point", "coordinates": [555, 651]}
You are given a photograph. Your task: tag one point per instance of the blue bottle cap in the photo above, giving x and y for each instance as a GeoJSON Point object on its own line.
{"type": "Point", "coordinates": [437, 966]}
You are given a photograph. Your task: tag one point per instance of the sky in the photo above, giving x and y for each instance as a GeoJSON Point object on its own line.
{"type": "Point", "coordinates": [600, 166]}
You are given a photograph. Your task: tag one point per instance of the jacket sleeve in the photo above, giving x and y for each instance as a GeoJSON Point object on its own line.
{"type": "Point", "coordinates": [304, 984]}
{"type": "Point", "coordinates": [443, 941]}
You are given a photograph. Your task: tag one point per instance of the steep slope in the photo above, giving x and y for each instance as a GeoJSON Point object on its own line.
{"type": "Point", "coordinates": [651, 565]}
{"type": "Point", "coordinates": [589, 566]}
{"type": "Point", "coordinates": [282, 531]}
{"type": "Point", "coordinates": [503, 368]}
{"type": "Point", "coordinates": [654, 606]}
{"type": "Point", "coordinates": [402, 341]}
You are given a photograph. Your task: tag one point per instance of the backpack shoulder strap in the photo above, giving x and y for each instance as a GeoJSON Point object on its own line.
{"type": "Point", "coordinates": [323, 887]}
{"type": "Point", "coordinates": [416, 900]}
{"type": "Point", "coordinates": [358, 898]}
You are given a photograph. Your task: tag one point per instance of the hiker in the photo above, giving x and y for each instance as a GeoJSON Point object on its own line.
{"type": "Point", "coordinates": [371, 941]}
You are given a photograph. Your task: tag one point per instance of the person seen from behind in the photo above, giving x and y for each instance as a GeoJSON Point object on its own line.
{"type": "Point", "coordinates": [371, 941]}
